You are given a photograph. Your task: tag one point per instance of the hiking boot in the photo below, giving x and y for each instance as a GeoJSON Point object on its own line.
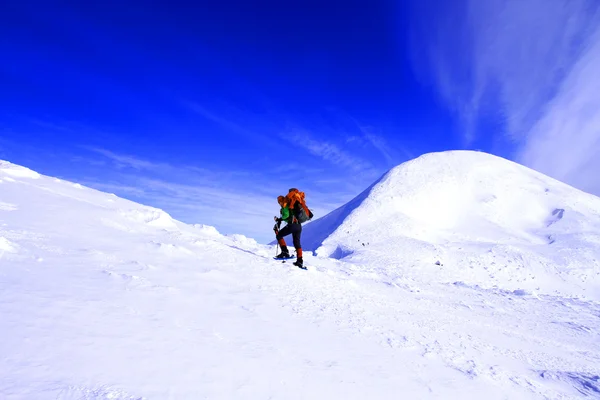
{"type": "Point", "coordinates": [299, 263]}
{"type": "Point", "coordinates": [284, 254]}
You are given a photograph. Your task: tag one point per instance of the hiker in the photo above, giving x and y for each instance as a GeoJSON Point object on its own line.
{"type": "Point", "coordinates": [293, 212]}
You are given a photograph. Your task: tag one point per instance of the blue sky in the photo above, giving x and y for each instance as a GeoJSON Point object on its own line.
{"type": "Point", "coordinates": [211, 110]}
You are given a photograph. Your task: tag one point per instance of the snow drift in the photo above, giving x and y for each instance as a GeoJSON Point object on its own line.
{"type": "Point", "coordinates": [470, 216]}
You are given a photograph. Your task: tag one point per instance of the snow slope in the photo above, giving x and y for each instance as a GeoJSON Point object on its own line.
{"type": "Point", "coordinates": [487, 220]}
{"type": "Point", "coordinates": [102, 298]}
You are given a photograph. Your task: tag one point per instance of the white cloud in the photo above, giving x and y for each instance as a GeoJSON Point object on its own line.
{"type": "Point", "coordinates": [328, 152]}
{"type": "Point", "coordinates": [384, 148]}
{"type": "Point", "coordinates": [51, 125]}
{"type": "Point", "coordinates": [531, 64]}
{"type": "Point", "coordinates": [565, 143]}
{"type": "Point", "coordinates": [380, 144]}
{"type": "Point", "coordinates": [123, 160]}
{"type": "Point", "coordinates": [371, 138]}
{"type": "Point", "coordinates": [499, 58]}
{"type": "Point", "coordinates": [233, 121]}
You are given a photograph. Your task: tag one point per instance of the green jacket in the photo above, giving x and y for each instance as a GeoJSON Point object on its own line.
{"type": "Point", "coordinates": [286, 216]}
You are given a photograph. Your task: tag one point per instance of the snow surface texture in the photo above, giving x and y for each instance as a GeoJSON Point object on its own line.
{"type": "Point", "coordinates": [102, 298]}
{"type": "Point", "coordinates": [470, 217]}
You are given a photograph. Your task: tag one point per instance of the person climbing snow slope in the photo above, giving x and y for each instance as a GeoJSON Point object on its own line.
{"type": "Point", "coordinates": [293, 212]}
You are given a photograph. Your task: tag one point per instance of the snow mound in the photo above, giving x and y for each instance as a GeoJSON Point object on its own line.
{"type": "Point", "coordinates": [243, 240]}
{"type": "Point", "coordinates": [460, 196]}
{"type": "Point", "coordinates": [207, 230]}
{"type": "Point", "coordinates": [461, 205]}
{"type": "Point", "coordinates": [150, 216]}
{"type": "Point", "coordinates": [17, 171]}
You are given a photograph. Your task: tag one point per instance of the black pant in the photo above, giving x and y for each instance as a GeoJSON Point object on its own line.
{"type": "Point", "coordinates": [295, 230]}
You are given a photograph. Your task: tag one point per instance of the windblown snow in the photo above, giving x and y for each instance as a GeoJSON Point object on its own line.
{"type": "Point", "coordinates": [457, 275]}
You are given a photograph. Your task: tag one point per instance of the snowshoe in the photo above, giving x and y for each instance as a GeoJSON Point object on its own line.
{"type": "Point", "coordinates": [284, 255]}
{"type": "Point", "coordinates": [284, 259]}
{"type": "Point", "coordinates": [299, 263]}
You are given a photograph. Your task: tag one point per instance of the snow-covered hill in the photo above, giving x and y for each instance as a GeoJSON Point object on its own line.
{"type": "Point", "coordinates": [103, 298]}
{"type": "Point", "coordinates": [470, 217]}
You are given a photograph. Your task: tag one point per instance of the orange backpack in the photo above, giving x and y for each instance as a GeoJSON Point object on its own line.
{"type": "Point", "coordinates": [296, 196]}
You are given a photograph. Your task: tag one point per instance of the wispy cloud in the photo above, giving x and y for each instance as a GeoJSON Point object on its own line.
{"type": "Point", "coordinates": [565, 143]}
{"type": "Point", "coordinates": [51, 125]}
{"type": "Point", "coordinates": [380, 144]}
{"type": "Point", "coordinates": [233, 121]}
{"type": "Point", "coordinates": [499, 59]}
{"type": "Point", "coordinates": [327, 151]}
{"type": "Point", "coordinates": [365, 138]}
{"type": "Point", "coordinates": [124, 161]}
{"type": "Point", "coordinates": [373, 137]}
{"type": "Point", "coordinates": [389, 152]}
{"type": "Point", "coordinates": [128, 161]}
{"type": "Point", "coordinates": [530, 65]}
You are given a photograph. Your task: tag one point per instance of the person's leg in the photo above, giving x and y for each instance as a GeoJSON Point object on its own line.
{"type": "Point", "coordinates": [280, 239]}
{"type": "Point", "coordinates": [296, 230]}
